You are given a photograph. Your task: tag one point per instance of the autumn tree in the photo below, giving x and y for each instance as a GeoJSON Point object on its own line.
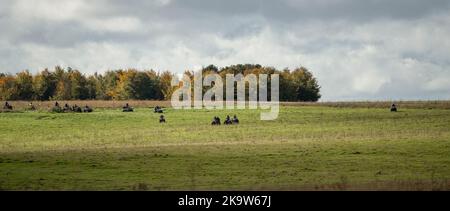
{"type": "Point", "coordinates": [64, 84]}
{"type": "Point", "coordinates": [165, 85]}
{"type": "Point", "coordinates": [61, 84]}
{"type": "Point", "coordinates": [8, 88]}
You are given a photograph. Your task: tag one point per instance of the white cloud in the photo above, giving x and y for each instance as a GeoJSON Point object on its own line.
{"type": "Point", "coordinates": [49, 10]}
{"type": "Point", "coordinates": [89, 57]}
{"type": "Point", "coordinates": [115, 24]}
{"type": "Point", "coordinates": [29, 12]}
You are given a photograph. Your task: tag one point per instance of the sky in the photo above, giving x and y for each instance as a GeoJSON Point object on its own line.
{"type": "Point", "coordinates": [358, 50]}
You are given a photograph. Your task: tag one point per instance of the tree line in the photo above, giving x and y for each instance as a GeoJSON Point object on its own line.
{"type": "Point", "coordinates": [124, 84]}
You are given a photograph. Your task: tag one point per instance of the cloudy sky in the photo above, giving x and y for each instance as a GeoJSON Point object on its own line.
{"type": "Point", "coordinates": [359, 50]}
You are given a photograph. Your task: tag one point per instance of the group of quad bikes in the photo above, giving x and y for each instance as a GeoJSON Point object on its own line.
{"type": "Point", "coordinates": [157, 109]}
{"type": "Point", "coordinates": [67, 108]}
{"type": "Point", "coordinates": [128, 108]}
{"type": "Point", "coordinates": [228, 120]}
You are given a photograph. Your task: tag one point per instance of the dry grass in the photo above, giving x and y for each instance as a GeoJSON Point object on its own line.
{"type": "Point", "coordinates": [46, 105]}
{"type": "Point", "coordinates": [377, 104]}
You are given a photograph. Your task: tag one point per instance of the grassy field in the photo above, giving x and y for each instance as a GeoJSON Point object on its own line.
{"type": "Point", "coordinates": [309, 147]}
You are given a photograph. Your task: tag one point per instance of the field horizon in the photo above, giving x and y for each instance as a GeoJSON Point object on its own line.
{"type": "Point", "coordinates": [21, 105]}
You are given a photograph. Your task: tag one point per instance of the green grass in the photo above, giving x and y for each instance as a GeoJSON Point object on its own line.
{"type": "Point", "coordinates": [308, 147]}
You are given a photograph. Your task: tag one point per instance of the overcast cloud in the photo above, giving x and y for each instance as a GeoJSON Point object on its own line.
{"type": "Point", "coordinates": [359, 50]}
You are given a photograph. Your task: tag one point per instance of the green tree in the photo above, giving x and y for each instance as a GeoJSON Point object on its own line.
{"type": "Point", "coordinates": [288, 88]}
{"type": "Point", "coordinates": [78, 85]}
{"type": "Point", "coordinates": [142, 86]}
{"type": "Point", "coordinates": [91, 86]}
{"type": "Point", "coordinates": [24, 83]}
{"type": "Point", "coordinates": [308, 88]}
{"type": "Point", "coordinates": [210, 68]}
{"type": "Point", "coordinates": [44, 85]}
